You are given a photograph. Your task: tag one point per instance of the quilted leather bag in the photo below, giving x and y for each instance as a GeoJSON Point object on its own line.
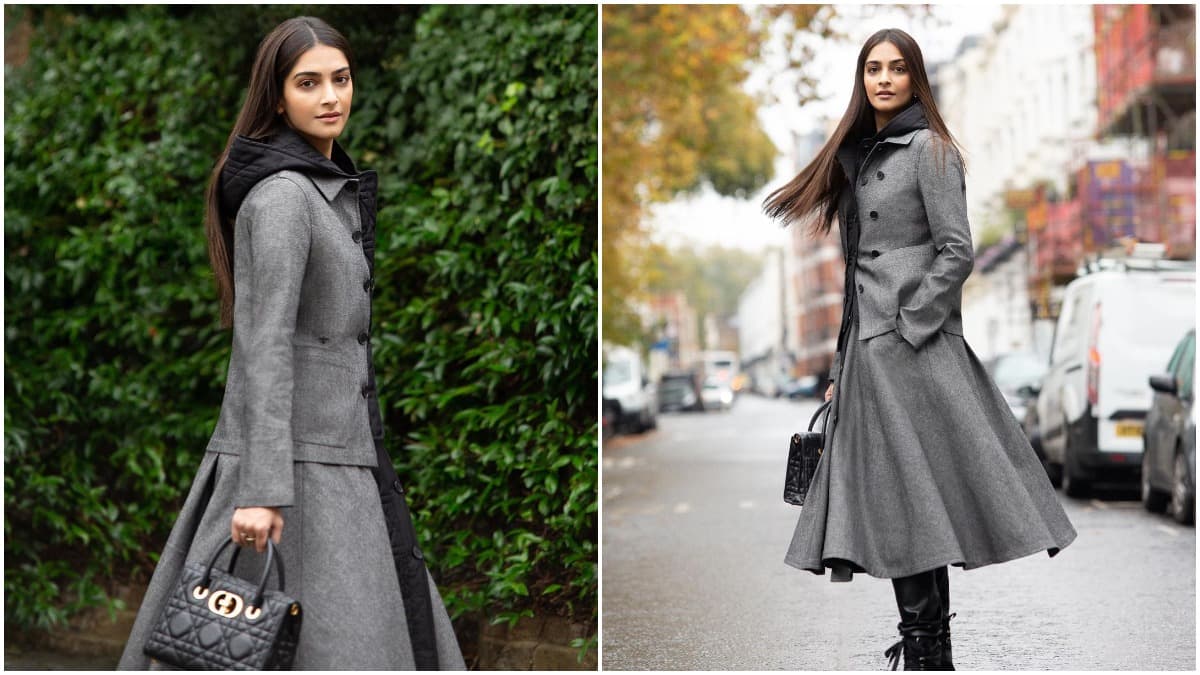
{"type": "Point", "coordinates": [217, 621]}
{"type": "Point", "coordinates": [803, 455]}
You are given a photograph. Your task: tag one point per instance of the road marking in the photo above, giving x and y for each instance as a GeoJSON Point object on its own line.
{"type": "Point", "coordinates": [682, 507]}
{"type": "Point", "coordinates": [1169, 530]}
{"type": "Point", "coordinates": [746, 504]}
{"type": "Point", "coordinates": [1099, 504]}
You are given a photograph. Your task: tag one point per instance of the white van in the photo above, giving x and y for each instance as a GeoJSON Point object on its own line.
{"type": "Point", "coordinates": [628, 390]}
{"type": "Point", "coordinates": [1117, 327]}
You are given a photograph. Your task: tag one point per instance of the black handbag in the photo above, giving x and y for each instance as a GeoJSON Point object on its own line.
{"type": "Point", "coordinates": [803, 455]}
{"type": "Point", "coordinates": [214, 620]}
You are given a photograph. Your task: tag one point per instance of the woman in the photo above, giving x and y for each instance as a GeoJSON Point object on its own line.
{"type": "Point", "coordinates": [297, 454]}
{"type": "Point", "coordinates": [925, 465]}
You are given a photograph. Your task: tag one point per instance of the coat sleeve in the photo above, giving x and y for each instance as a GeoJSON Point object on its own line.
{"type": "Point", "coordinates": [943, 192]}
{"type": "Point", "coordinates": [835, 369]}
{"type": "Point", "coordinates": [272, 236]}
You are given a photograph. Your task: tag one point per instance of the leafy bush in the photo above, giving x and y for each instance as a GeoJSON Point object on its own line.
{"type": "Point", "coordinates": [482, 124]}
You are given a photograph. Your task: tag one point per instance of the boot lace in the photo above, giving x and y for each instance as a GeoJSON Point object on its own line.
{"type": "Point", "coordinates": [893, 654]}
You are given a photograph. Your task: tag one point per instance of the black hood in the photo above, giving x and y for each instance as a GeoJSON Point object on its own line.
{"type": "Point", "coordinates": [252, 160]}
{"type": "Point", "coordinates": [909, 119]}
{"type": "Point", "coordinates": [859, 142]}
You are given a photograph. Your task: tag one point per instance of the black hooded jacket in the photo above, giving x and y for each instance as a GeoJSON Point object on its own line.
{"type": "Point", "coordinates": [250, 161]}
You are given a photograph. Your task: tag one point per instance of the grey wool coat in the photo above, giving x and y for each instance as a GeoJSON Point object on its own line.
{"type": "Point", "coordinates": [299, 425]}
{"type": "Point", "coordinates": [924, 463]}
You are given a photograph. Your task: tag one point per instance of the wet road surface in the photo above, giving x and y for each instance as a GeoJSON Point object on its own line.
{"type": "Point", "coordinates": [695, 529]}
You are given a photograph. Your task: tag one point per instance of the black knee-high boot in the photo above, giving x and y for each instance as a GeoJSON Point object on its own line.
{"type": "Point", "coordinates": [943, 585]}
{"type": "Point", "coordinates": [920, 626]}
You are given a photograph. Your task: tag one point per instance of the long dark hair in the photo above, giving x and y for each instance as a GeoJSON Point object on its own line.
{"type": "Point", "coordinates": [817, 186]}
{"type": "Point", "coordinates": [277, 55]}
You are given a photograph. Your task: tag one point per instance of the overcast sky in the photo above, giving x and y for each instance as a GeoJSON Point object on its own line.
{"type": "Point", "coordinates": [711, 219]}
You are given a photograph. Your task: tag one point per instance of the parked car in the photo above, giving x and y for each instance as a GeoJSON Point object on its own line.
{"type": "Point", "coordinates": [627, 384]}
{"type": "Point", "coordinates": [1169, 460]}
{"type": "Point", "coordinates": [1117, 327]}
{"type": "Point", "coordinates": [679, 391]}
{"type": "Point", "coordinates": [1016, 374]}
{"type": "Point", "coordinates": [716, 395]}
{"type": "Point", "coordinates": [807, 386]}
{"type": "Point", "coordinates": [1029, 424]}
{"type": "Point", "coordinates": [609, 411]}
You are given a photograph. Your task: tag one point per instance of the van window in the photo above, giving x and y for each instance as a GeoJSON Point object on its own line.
{"type": "Point", "coordinates": [1186, 368]}
{"type": "Point", "coordinates": [1176, 357]}
{"type": "Point", "coordinates": [618, 372]}
{"type": "Point", "coordinates": [1071, 329]}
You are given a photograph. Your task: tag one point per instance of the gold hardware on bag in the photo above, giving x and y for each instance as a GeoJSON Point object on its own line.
{"type": "Point", "coordinates": [295, 609]}
{"type": "Point", "coordinates": [226, 604]}
{"type": "Point", "coordinates": [253, 613]}
{"type": "Point", "coordinates": [199, 592]}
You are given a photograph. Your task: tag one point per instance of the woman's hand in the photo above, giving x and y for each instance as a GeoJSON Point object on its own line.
{"type": "Point", "coordinates": [251, 526]}
{"type": "Point", "coordinates": [829, 392]}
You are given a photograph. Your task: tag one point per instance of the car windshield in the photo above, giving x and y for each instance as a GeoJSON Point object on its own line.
{"type": "Point", "coordinates": [1015, 370]}
{"type": "Point", "coordinates": [618, 372]}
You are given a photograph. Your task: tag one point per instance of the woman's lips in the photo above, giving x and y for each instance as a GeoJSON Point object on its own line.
{"type": "Point", "coordinates": [330, 118]}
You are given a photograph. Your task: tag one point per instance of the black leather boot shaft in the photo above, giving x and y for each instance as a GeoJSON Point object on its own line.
{"type": "Point", "coordinates": [920, 626]}
{"type": "Point", "coordinates": [943, 586]}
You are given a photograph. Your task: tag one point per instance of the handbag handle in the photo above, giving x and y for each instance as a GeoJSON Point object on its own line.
{"type": "Point", "coordinates": [262, 582]}
{"type": "Point", "coordinates": [818, 414]}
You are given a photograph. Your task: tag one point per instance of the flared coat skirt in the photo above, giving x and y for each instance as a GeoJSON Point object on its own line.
{"type": "Point", "coordinates": [924, 466]}
{"type": "Point", "coordinates": [338, 565]}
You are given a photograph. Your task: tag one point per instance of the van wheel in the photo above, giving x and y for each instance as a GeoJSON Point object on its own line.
{"type": "Point", "coordinates": [1154, 500]}
{"type": "Point", "coordinates": [1073, 485]}
{"type": "Point", "coordinates": [1183, 503]}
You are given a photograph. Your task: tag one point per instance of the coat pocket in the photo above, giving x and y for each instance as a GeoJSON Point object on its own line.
{"type": "Point", "coordinates": [324, 398]}
{"type": "Point", "coordinates": [886, 281]}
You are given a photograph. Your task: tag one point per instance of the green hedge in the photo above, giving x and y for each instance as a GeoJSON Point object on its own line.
{"type": "Point", "coordinates": [482, 125]}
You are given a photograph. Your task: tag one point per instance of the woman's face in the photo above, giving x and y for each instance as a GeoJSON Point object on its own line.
{"type": "Point", "coordinates": [885, 76]}
{"type": "Point", "coordinates": [317, 95]}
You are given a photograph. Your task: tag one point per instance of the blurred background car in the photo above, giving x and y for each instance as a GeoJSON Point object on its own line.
{"type": "Point", "coordinates": [1017, 375]}
{"type": "Point", "coordinates": [716, 395]}
{"type": "Point", "coordinates": [722, 367]}
{"type": "Point", "coordinates": [807, 386]}
{"type": "Point", "coordinates": [679, 391]}
{"type": "Point", "coordinates": [1117, 327]}
{"type": "Point", "coordinates": [1169, 458]}
{"type": "Point", "coordinates": [629, 391]}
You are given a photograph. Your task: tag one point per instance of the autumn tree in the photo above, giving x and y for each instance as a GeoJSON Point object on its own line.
{"type": "Point", "coordinates": [677, 117]}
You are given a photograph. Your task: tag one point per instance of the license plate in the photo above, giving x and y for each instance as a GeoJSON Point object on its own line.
{"type": "Point", "coordinates": [1129, 428]}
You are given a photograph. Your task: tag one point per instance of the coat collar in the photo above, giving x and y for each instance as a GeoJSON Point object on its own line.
{"type": "Point", "coordinates": [329, 186]}
{"type": "Point", "coordinates": [900, 130]}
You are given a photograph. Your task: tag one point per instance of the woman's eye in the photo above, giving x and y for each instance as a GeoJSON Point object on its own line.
{"type": "Point", "coordinates": [344, 79]}
{"type": "Point", "coordinates": [306, 84]}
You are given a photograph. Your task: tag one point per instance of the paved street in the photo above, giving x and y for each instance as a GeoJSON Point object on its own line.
{"type": "Point", "coordinates": [695, 529]}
